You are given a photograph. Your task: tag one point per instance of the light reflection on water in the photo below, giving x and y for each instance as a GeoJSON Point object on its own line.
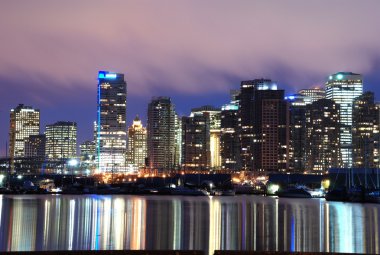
{"type": "Point", "coordinates": [185, 223]}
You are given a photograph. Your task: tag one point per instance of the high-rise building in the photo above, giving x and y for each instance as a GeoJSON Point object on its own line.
{"type": "Point", "coordinates": [271, 134]}
{"type": "Point", "coordinates": [365, 132]}
{"type": "Point", "coordinates": [161, 134]}
{"type": "Point", "coordinates": [196, 142]}
{"type": "Point", "coordinates": [229, 139]}
{"type": "Point", "coordinates": [297, 126]}
{"type": "Point", "coordinates": [137, 148]}
{"type": "Point", "coordinates": [343, 88]}
{"type": "Point", "coordinates": [213, 114]}
{"type": "Point", "coordinates": [323, 145]}
{"type": "Point", "coordinates": [24, 122]}
{"type": "Point", "coordinates": [61, 141]}
{"type": "Point", "coordinates": [111, 124]}
{"type": "Point", "coordinates": [314, 94]}
{"type": "Point", "coordinates": [247, 118]}
{"type": "Point", "coordinates": [178, 142]}
{"type": "Point", "coordinates": [35, 147]}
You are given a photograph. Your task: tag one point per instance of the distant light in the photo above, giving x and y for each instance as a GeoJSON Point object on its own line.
{"type": "Point", "coordinates": [339, 76]}
{"type": "Point", "coordinates": [290, 97]}
{"type": "Point", "coordinates": [73, 162]}
{"type": "Point", "coordinates": [106, 75]}
{"type": "Point", "coordinates": [229, 107]}
{"type": "Point", "coordinates": [19, 177]}
{"type": "Point", "coordinates": [273, 188]}
{"type": "Point", "coordinates": [111, 76]}
{"type": "Point", "coordinates": [330, 77]}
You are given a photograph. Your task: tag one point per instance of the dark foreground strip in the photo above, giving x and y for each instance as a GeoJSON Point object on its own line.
{"type": "Point", "coordinates": [276, 253]}
{"type": "Point", "coordinates": [162, 252]}
{"type": "Point", "coordinates": [135, 252]}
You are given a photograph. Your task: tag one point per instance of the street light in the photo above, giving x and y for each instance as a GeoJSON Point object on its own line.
{"type": "Point", "coordinates": [73, 163]}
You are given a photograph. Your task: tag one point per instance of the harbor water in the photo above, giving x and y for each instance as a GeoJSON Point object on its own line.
{"type": "Point", "coordinates": [247, 222]}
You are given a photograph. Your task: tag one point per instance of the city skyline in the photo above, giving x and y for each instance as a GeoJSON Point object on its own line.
{"type": "Point", "coordinates": [204, 54]}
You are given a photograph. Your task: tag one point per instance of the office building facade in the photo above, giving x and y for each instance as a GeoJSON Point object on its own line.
{"type": "Point", "coordinates": [35, 147]}
{"type": "Point", "coordinates": [196, 142]}
{"type": "Point", "coordinates": [162, 130]}
{"type": "Point", "coordinates": [343, 88]}
{"type": "Point", "coordinates": [314, 94]}
{"type": "Point", "coordinates": [271, 134]}
{"type": "Point", "coordinates": [323, 136]}
{"type": "Point", "coordinates": [24, 122]}
{"type": "Point", "coordinates": [297, 154]}
{"type": "Point", "coordinates": [61, 141]}
{"type": "Point", "coordinates": [111, 142]}
{"type": "Point", "coordinates": [229, 138]}
{"type": "Point", "coordinates": [213, 114]}
{"type": "Point", "coordinates": [137, 143]}
{"type": "Point", "coordinates": [365, 132]}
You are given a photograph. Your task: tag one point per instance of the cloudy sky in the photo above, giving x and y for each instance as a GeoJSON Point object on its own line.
{"type": "Point", "coordinates": [194, 51]}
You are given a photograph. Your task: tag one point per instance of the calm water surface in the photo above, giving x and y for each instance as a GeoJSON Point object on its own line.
{"type": "Point", "coordinates": [66, 222]}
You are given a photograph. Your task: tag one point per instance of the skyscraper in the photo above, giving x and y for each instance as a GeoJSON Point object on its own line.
{"type": "Point", "coordinates": [314, 94]}
{"type": "Point", "coordinates": [297, 123]}
{"type": "Point", "coordinates": [323, 145]}
{"type": "Point", "coordinates": [161, 134]}
{"type": "Point", "coordinates": [196, 142]}
{"type": "Point", "coordinates": [343, 88]}
{"type": "Point", "coordinates": [24, 121]}
{"type": "Point", "coordinates": [229, 139]}
{"type": "Point", "coordinates": [61, 141]}
{"type": "Point", "coordinates": [112, 131]}
{"type": "Point", "coordinates": [246, 119]}
{"type": "Point", "coordinates": [271, 134]}
{"type": "Point", "coordinates": [137, 148]}
{"type": "Point", "coordinates": [365, 132]}
{"type": "Point", "coordinates": [213, 114]}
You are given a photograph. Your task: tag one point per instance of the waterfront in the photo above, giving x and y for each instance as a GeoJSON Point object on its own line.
{"type": "Point", "coordinates": [71, 222]}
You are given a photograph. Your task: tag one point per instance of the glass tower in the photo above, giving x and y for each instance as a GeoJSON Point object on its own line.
{"type": "Point", "coordinates": [343, 88]}
{"type": "Point", "coordinates": [111, 132]}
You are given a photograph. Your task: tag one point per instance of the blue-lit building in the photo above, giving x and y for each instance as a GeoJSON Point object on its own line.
{"type": "Point", "coordinates": [111, 142]}
{"type": "Point", "coordinates": [343, 88]}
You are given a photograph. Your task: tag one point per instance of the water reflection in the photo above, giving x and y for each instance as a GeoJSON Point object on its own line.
{"type": "Point", "coordinates": [204, 223]}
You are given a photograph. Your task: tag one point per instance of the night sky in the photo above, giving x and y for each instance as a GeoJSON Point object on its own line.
{"type": "Point", "coordinates": [193, 51]}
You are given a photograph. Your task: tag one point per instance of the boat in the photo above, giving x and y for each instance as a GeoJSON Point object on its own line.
{"type": "Point", "coordinates": [294, 193]}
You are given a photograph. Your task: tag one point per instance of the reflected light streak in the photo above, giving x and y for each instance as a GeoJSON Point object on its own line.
{"type": "Point", "coordinates": [177, 225]}
{"type": "Point", "coordinates": [1, 209]}
{"type": "Point", "coordinates": [23, 226]}
{"type": "Point", "coordinates": [46, 224]}
{"type": "Point", "coordinates": [95, 225]}
{"type": "Point", "coordinates": [215, 225]}
{"type": "Point", "coordinates": [327, 224]}
{"type": "Point", "coordinates": [377, 241]}
{"type": "Point", "coordinates": [106, 226]}
{"type": "Point", "coordinates": [345, 230]}
{"type": "Point", "coordinates": [71, 223]}
{"type": "Point", "coordinates": [118, 223]}
{"type": "Point", "coordinates": [138, 225]}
